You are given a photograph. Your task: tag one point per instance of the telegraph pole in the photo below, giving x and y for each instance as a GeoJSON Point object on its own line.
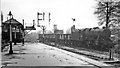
{"type": "Point", "coordinates": [10, 51]}
{"type": "Point", "coordinates": [33, 23]}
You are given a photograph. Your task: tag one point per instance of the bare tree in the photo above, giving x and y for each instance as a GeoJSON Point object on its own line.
{"type": "Point", "coordinates": [108, 13]}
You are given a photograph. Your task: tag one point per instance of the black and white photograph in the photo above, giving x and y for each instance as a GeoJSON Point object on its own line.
{"type": "Point", "coordinates": [60, 34]}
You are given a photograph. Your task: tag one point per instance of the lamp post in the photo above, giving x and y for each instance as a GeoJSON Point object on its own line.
{"type": "Point", "coordinates": [10, 51]}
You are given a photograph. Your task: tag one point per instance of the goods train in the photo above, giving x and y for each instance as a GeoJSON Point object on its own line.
{"type": "Point", "coordinates": [98, 39]}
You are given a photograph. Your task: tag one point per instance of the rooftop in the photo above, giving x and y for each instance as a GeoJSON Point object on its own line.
{"type": "Point", "coordinates": [13, 21]}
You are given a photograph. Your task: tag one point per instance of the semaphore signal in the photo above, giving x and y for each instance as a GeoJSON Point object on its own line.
{"type": "Point", "coordinates": [40, 19]}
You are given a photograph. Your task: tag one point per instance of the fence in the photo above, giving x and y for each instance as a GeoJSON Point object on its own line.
{"type": "Point", "coordinates": [82, 42]}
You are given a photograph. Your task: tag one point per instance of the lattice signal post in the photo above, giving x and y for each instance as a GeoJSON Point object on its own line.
{"type": "Point", "coordinates": [49, 17]}
{"type": "Point", "coordinates": [42, 19]}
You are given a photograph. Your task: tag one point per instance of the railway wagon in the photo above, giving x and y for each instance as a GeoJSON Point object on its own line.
{"type": "Point", "coordinates": [96, 39]}
{"type": "Point", "coordinates": [91, 39]}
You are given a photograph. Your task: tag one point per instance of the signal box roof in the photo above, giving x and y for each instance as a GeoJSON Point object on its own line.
{"type": "Point", "coordinates": [13, 21]}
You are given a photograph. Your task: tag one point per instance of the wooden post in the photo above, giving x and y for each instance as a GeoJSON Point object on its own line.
{"type": "Point", "coordinates": [110, 54]}
{"type": "Point", "coordinates": [43, 27]}
{"type": "Point", "coordinates": [23, 34]}
{"type": "Point", "coordinates": [15, 36]}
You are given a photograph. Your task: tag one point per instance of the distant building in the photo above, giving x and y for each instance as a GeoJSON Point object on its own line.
{"type": "Point", "coordinates": [55, 27]}
{"type": "Point", "coordinates": [49, 32]}
{"type": "Point", "coordinates": [16, 27]}
{"type": "Point", "coordinates": [59, 32]}
{"type": "Point", "coordinates": [56, 30]}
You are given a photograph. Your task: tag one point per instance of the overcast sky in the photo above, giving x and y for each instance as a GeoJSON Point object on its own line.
{"type": "Point", "coordinates": [62, 12]}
